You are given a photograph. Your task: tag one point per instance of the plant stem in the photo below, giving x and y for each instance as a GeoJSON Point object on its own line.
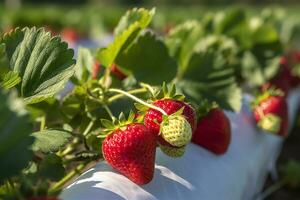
{"type": "Point", "coordinates": [137, 100]}
{"type": "Point", "coordinates": [68, 177]}
{"type": "Point", "coordinates": [271, 190]}
{"type": "Point", "coordinates": [43, 123]}
{"type": "Point", "coordinates": [148, 87]}
{"type": "Point", "coordinates": [109, 112]}
{"type": "Point", "coordinates": [88, 128]}
{"type": "Point", "coordinates": [135, 91]}
{"type": "Point", "coordinates": [106, 76]}
{"type": "Point", "coordinates": [68, 150]}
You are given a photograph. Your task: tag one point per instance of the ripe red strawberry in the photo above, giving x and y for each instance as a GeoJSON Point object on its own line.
{"type": "Point", "coordinates": [271, 114]}
{"type": "Point", "coordinates": [117, 72]}
{"type": "Point", "coordinates": [96, 69]}
{"type": "Point", "coordinates": [70, 35]}
{"type": "Point", "coordinates": [213, 132]}
{"type": "Point", "coordinates": [153, 117]}
{"type": "Point", "coordinates": [131, 151]}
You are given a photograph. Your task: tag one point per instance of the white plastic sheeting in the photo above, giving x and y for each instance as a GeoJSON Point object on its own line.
{"type": "Point", "coordinates": [199, 174]}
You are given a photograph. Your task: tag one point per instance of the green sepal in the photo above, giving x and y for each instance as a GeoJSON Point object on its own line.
{"type": "Point", "coordinates": [168, 92]}
{"type": "Point", "coordinates": [272, 91]}
{"type": "Point", "coordinates": [140, 107]}
{"type": "Point", "coordinates": [205, 107]}
{"type": "Point", "coordinates": [121, 122]}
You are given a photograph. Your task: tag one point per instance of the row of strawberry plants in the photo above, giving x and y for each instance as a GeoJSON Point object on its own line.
{"type": "Point", "coordinates": [180, 83]}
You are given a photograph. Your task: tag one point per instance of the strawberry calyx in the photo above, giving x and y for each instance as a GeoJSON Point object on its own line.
{"type": "Point", "coordinates": [168, 92]}
{"type": "Point", "coordinates": [163, 93]}
{"type": "Point", "coordinates": [205, 107]}
{"type": "Point", "coordinates": [265, 95]}
{"type": "Point", "coordinates": [115, 124]}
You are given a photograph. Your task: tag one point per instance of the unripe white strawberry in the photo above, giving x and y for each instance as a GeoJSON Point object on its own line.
{"type": "Point", "coordinates": [176, 130]}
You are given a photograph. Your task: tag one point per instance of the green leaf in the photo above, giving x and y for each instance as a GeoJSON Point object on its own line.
{"type": "Point", "coordinates": [289, 31]}
{"type": "Point", "coordinates": [10, 80]}
{"type": "Point", "coordinates": [84, 64]}
{"type": "Point", "coordinates": [73, 103]}
{"type": "Point", "coordinates": [182, 40]}
{"type": "Point", "coordinates": [14, 136]}
{"type": "Point", "coordinates": [50, 140]}
{"type": "Point", "coordinates": [3, 61]}
{"type": "Point", "coordinates": [48, 108]}
{"type": "Point", "coordinates": [149, 61]}
{"type": "Point", "coordinates": [257, 71]}
{"type": "Point", "coordinates": [226, 22]}
{"type": "Point", "coordinates": [210, 74]}
{"type": "Point", "coordinates": [52, 168]}
{"type": "Point", "coordinates": [140, 15]}
{"type": "Point", "coordinates": [265, 34]}
{"type": "Point", "coordinates": [43, 62]}
{"type": "Point", "coordinates": [127, 31]}
{"type": "Point", "coordinates": [94, 143]}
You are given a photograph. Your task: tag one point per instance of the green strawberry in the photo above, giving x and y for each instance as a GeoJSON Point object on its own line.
{"type": "Point", "coordinates": [176, 130]}
{"type": "Point", "coordinates": [172, 151]}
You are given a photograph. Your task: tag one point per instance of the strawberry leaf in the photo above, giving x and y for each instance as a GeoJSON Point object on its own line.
{"type": "Point", "coordinates": [148, 59]}
{"type": "Point", "coordinates": [83, 67]}
{"type": "Point", "coordinates": [258, 70]}
{"type": "Point", "coordinates": [3, 61]}
{"type": "Point", "coordinates": [127, 31]}
{"type": "Point", "coordinates": [44, 63]}
{"type": "Point", "coordinates": [72, 103]}
{"type": "Point", "coordinates": [14, 136]}
{"type": "Point", "coordinates": [181, 41]}
{"type": "Point", "coordinates": [227, 22]}
{"type": "Point", "coordinates": [50, 140]}
{"type": "Point", "coordinates": [210, 74]}
{"type": "Point", "coordinates": [51, 168]}
{"type": "Point", "coordinates": [140, 15]}
{"type": "Point", "coordinates": [10, 80]}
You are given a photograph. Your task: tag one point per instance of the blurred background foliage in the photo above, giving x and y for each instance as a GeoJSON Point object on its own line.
{"type": "Point", "coordinates": [97, 16]}
{"type": "Point", "coordinates": [167, 2]}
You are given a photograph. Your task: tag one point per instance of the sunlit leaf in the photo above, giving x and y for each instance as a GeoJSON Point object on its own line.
{"type": "Point", "coordinates": [44, 63]}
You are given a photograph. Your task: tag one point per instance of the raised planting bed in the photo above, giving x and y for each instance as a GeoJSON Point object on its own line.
{"type": "Point", "coordinates": [199, 174]}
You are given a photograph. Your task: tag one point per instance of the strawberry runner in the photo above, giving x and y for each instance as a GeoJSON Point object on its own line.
{"type": "Point", "coordinates": [199, 174]}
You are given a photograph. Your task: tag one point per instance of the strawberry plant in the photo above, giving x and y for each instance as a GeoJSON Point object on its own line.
{"type": "Point", "coordinates": [58, 116]}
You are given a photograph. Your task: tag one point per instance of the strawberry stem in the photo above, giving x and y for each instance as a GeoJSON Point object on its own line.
{"type": "Point", "coordinates": [88, 128]}
{"type": "Point", "coordinates": [135, 91]}
{"type": "Point", "coordinates": [137, 100]}
{"type": "Point", "coordinates": [109, 112]}
{"type": "Point", "coordinates": [105, 78]}
{"type": "Point", "coordinates": [57, 186]}
{"type": "Point", "coordinates": [43, 123]}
